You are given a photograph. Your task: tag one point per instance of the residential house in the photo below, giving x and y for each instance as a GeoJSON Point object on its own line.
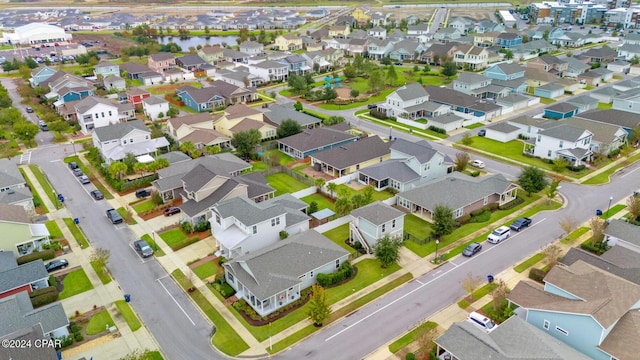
{"type": "Point", "coordinates": [605, 95]}
{"type": "Point", "coordinates": [627, 101]}
{"type": "Point", "coordinates": [461, 193]}
{"type": "Point", "coordinates": [508, 40]}
{"type": "Point", "coordinates": [448, 122]}
{"type": "Point", "coordinates": [623, 234]}
{"type": "Point", "coordinates": [21, 238]}
{"type": "Point", "coordinates": [486, 39]}
{"type": "Point", "coordinates": [373, 222]}
{"type": "Point", "coordinates": [218, 94]}
{"type": "Point", "coordinates": [275, 276]}
{"type": "Point", "coordinates": [94, 112]}
{"type": "Point", "coordinates": [149, 78]}
{"type": "Point", "coordinates": [18, 314]}
{"type": "Point", "coordinates": [297, 64]}
{"type": "Point", "coordinates": [241, 226]}
{"type": "Point", "coordinates": [117, 140]}
{"type": "Point", "coordinates": [604, 73]}
{"type": "Point", "coordinates": [462, 24]}
{"type": "Point", "coordinates": [234, 56]}
{"type": "Point", "coordinates": [278, 113]}
{"type": "Point", "coordinates": [472, 57]}
{"type": "Point", "coordinates": [28, 335]}
{"type": "Point", "coordinates": [311, 141]}
{"type": "Point", "coordinates": [240, 77]}
{"type": "Point", "coordinates": [583, 103]}
{"type": "Point", "coordinates": [13, 187]}
{"type": "Point", "coordinates": [514, 101]}
{"type": "Point", "coordinates": [479, 86]}
{"type": "Point", "coordinates": [590, 78]}
{"type": "Point", "coordinates": [288, 42]}
{"type": "Point", "coordinates": [575, 67]}
{"type": "Point", "coordinates": [339, 31]}
{"type": "Point", "coordinates": [41, 74]}
{"type": "Point", "coordinates": [628, 51]}
{"type": "Point", "coordinates": [351, 157]}
{"type": "Point", "coordinates": [408, 50]}
{"type": "Point", "coordinates": [595, 320]}
{"type": "Point", "coordinates": [360, 15]}
{"type": "Point", "coordinates": [114, 83]}
{"type": "Point", "coordinates": [251, 48]}
{"type": "Point", "coordinates": [411, 101]}
{"type": "Point", "coordinates": [446, 35]}
{"type": "Point", "coordinates": [106, 68]}
{"type": "Point", "coordinates": [551, 64]}
{"type": "Point", "coordinates": [211, 54]}
{"type": "Point", "coordinates": [566, 141]}
{"type": "Point", "coordinates": [560, 110]}
{"type": "Point", "coordinates": [418, 31]}
{"type": "Point", "coordinates": [243, 118]}
{"type": "Point", "coordinates": [270, 70]}
{"type": "Point", "coordinates": [378, 49]}
{"type": "Point", "coordinates": [549, 91]}
{"type": "Point", "coordinates": [356, 47]}
{"type": "Point", "coordinates": [505, 72]}
{"type": "Point", "coordinates": [161, 62]}
{"type": "Point", "coordinates": [190, 62]}
{"type": "Point", "coordinates": [198, 129]}
{"type": "Point", "coordinates": [134, 70]}
{"type": "Point", "coordinates": [155, 107]}
{"type": "Point", "coordinates": [531, 49]}
{"type": "Point", "coordinates": [436, 52]}
{"type": "Point", "coordinates": [463, 103]}
{"type": "Point", "coordinates": [502, 132]}
{"type": "Point", "coordinates": [410, 165]}
{"type": "Point", "coordinates": [627, 120]}
{"type": "Point", "coordinates": [380, 19]}
{"type": "Point", "coordinates": [136, 95]}
{"type": "Point", "coordinates": [16, 278]}
{"type": "Point", "coordinates": [606, 137]}
{"type": "Point", "coordinates": [377, 32]}
{"type": "Point", "coordinates": [600, 55]}
{"type": "Point", "coordinates": [617, 260]}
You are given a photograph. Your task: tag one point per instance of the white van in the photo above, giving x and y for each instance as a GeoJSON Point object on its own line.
{"type": "Point", "coordinates": [478, 163]}
{"type": "Point", "coordinates": [481, 321]}
{"type": "Point", "coordinates": [499, 234]}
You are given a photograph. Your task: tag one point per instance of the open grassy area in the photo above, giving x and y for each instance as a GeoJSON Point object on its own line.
{"type": "Point", "coordinates": [74, 283]}
{"type": "Point", "coordinates": [417, 227]}
{"type": "Point", "coordinates": [77, 234]}
{"type": "Point", "coordinates": [226, 339]}
{"type": "Point", "coordinates": [411, 336]}
{"type": "Point", "coordinates": [205, 270]}
{"type": "Point", "coordinates": [529, 262]}
{"type": "Point", "coordinates": [143, 206]}
{"type": "Point", "coordinates": [614, 210]}
{"type": "Point", "coordinates": [474, 126]}
{"type": "Point", "coordinates": [128, 315]}
{"type": "Point", "coordinates": [284, 158]}
{"type": "Point", "coordinates": [44, 183]}
{"type": "Point", "coordinates": [574, 235]}
{"type": "Point", "coordinates": [603, 106]}
{"type": "Point", "coordinates": [157, 251]}
{"type": "Point", "coordinates": [99, 323]}
{"type": "Point", "coordinates": [54, 229]}
{"type": "Point", "coordinates": [173, 237]}
{"type": "Point", "coordinates": [171, 88]}
{"type": "Point", "coordinates": [377, 195]}
{"type": "Point", "coordinates": [102, 273]}
{"type": "Point", "coordinates": [259, 166]}
{"type": "Point", "coordinates": [88, 169]}
{"type": "Point", "coordinates": [36, 196]}
{"type": "Point", "coordinates": [284, 183]}
{"type": "Point", "coordinates": [339, 235]}
{"type": "Point", "coordinates": [603, 177]}
{"type": "Point", "coordinates": [322, 201]}
{"type": "Point", "coordinates": [545, 206]}
{"type": "Point", "coordinates": [477, 294]}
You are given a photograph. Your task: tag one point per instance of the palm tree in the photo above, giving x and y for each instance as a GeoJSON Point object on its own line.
{"type": "Point", "coordinates": [319, 183]}
{"type": "Point", "coordinates": [332, 188]}
{"type": "Point", "coordinates": [212, 149]}
{"type": "Point", "coordinates": [140, 168]}
{"type": "Point", "coordinates": [162, 163]}
{"type": "Point", "coordinates": [117, 169]}
{"type": "Point", "coordinates": [187, 147]}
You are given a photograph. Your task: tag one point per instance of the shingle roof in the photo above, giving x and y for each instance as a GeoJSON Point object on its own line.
{"type": "Point", "coordinates": [134, 68]}
{"type": "Point", "coordinates": [239, 111]}
{"type": "Point", "coordinates": [450, 96]}
{"type": "Point", "coordinates": [421, 150]}
{"type": "Point", "coordinates": [471, 78]}
{"type": "Point", "coordinates": [248, 124]}
{"type": "Point", "coordinates": [604, 133]}
{"type": "Point", "coordinates": [28, 335]}
{"type": "Point", "coordinates": [189, 60]}
{"type": "Point", "coordinates": [163, 56]}
{"type": "Point", "coordinates": [618, 260]}
{"type": "Point", "coordinates": [503, 127]}
{"type": "Point", "coordinates": [354, 153]}
{"type": "Point", "coordinates": [564, 132]}
{"type": "Point", "coordinates": [622, 341]}
{"type": "Point", "coordinates": [89, 102]}
{"type": "Point", "coordinates": [117, 131]}
{"type": "Point", "coordinates": [154, 100]}
{"type": "Point", "coordinates": [13, 275]}
{"type": "Point", "coordinates": [223, 164]}
{"type": "Point", "coordinates": [377, 213]}
{"type": "Point", "coordinates": [563, 107]}
{"type": "Point", "coordinates": [9, 174]}
{"type": "Point", "coordinates": [217, 88]}
{"type": "Point", "coordinates": [511, 68]}
{"type": "Point", "coordinates": [192, 208]}
{"type": "Point", "coordinates": [18, 313]}
{"type": "Point", "coordinates": [14, 213]}
{"type": "Point", "coordinates": [611, 116]}
{"type": "Point", "coordinates": [395, 169]}
{"type": "Point", "coordinates": [311, 139]}
{"type": "Point", "coordinates": [623, 231]}
{"type": "Point", "coordinates": [190, 120]}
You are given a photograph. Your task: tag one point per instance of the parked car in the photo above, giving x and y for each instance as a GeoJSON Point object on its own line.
{"type": "Point", "coordinates": [84, 179]}
{"type": "Point", "coordinates": [520, 223]}
{"type": "Point", "coordinates": [73, 165]}
{"type": "Point", "coordinates": [499, 234]}
{"type": "Point", "coordinates": [142, 193]}
{"type": "Point", "coordinates": [372, 106]}
{"type": "Point", "coordinates": [472, 249]}
{"type": "Point", "coordinates": [482, 132]}
{"type": "Point", "coordinates": [77, 172]}
{"type": "Point", "coordinates": [171, 211]}
{"type": "Point", "coordinates": [398, 63]}
{"type": "Point", "coordinates": [56, 265]}
{"type": "Point", "coordinates": [97, 195]}
{"type": "Point", "coordinates": [478, 163]}
{"type": "Point", "coordinates": [29, 109]}
{"type": "Point", "coordinates": [143, 248]}
{"type": "Point", "coordinates": [481, 321]}
{"type": "Point", "coordinates": [43, 125]}
{"type": "Point", "coordinates": [114, 216]}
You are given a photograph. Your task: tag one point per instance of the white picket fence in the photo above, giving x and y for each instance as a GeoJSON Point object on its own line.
{"type": "Point", "coordinates": [305, 192]}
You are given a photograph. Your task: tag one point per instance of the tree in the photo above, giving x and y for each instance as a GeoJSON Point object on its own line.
{"type": "Point", "coordinates": [59, 126]}
{"type": "Point", "coordinates": [25, 72]}
{"type": "Point", "coordinates": [462, 161]}
{"type": "Point", "coordinates": [313, 207]}
{"type": "Point", "coordinates": [297, 106]}
{"type": "Point", "coordinates": [532, 180]}
{"type": "Point", "coordinates": [354, 93]}
{"type": "Point", "coordinates": [367, 194]}
{"type": "Point", "coordinates": [140, 168]}
{"type": "Point", "coordinates": [329, 94]}
{"type": "Point", "coordinates": [466, 139]}
{"type": "Point", "coordinates": [349, 72]}
{"type": "Point", "coordinates": [212, 149]}
{"type": "Point", "coordinates": [287, 128]}
{"type": "Point", "coordinates": [187, 147]}
{"type": "Point", "coordinates": [319, 182]}
{"type": "Point", "coordinates": [567, 224]}
{"type": "Point", "coordinates": [331, 187]}
{"type": "Point", "coordinates": [375, 82]}
{"type": "Point", "coordinates": [449, 68]}
{"type": "Point", "coordinates": [246, 141]}
{"type": "Point", "coordinates": [443, 221]}
{"type": "Point", "coordinates": [633, 206]}
{"type": "Point", "coordinates": [297, 83]}
{"type": "Point", "coordinates": [499, 294]}
{"type": "Point", "coordinates": [206, 30]}
{"type": "Point", "coordinates": [117, 170]}
{"type": "Point", "coordinates": [508, 55]}
{"type": "Point", "coordinates": [471, 283]}
{"type": "Point", "coordinates": [597, 230]}
{"type": "Point", "coordinates": [25, 130]}
{"type": "Point", "coordinates": [545, 35]}
{"type": "Point", "coordinates": [129, 160]}
{"type": "Point", "coordinates": [559, 165]}
{"type": "Point", "coordinates": [319, 309]}
{"type": "Point", "coordinates": [635, 60]}
{"type": "Point", "coordinates": [173, 112]}
{"type": "Point", "coordinates": [333, 120]}
{"type": "Point", "coordinates": [391, 76]}
{"type": "Point", "coordinates": [387, 251]}
{"type": "Point", "coordinates": [100, 257]}
{"type": "Point", "coordinates": [552, 190]}
{"type": "Point", "coordinates": [551, 255]}
{"type": "Point", "coordinates": [342, 206]}
{"type": "Point", "coordinates": [357, 201]}
{"type": "Point", "coordinates": [161, 163]}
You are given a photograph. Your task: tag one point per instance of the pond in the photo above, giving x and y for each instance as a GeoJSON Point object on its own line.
{"type": "Point", "coordinates": [186, 42]}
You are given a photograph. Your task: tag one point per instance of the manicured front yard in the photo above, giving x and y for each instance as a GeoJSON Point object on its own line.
{"type": "Point", "coordinates": [284, 158]}
{"type": "Point", "coordinates": [322, 201]}
{"type": "Point", "coordinates": [54, 229]}
{"type": "Point", "coordinates": [128, 315]}
{"type": "Point", "coordinates": [284, 183]}
{"type": "Point", "coordinates": [74, 283]}
{"type": "Point", "coordinates": [339, 235]}
{"type": "Point", "coordinates": [44, 183]}
{"type": "Point", "coordinates": [173, 237]}
{"type": "Point", "coordinates": [411, 336]}
{"type": "Point", "coordinates": [143, 206]}
{"type": "Point", "coordinates": [102, 273]}
{"type": "Point", "coordinates": [77, 234]}
{"type": "Point", "coordinates": [417, 227]}
{"type": "Point", "coordinates": [206, 270]}
{"type": "Point", "coordinates": [99, 322]}
{"type": "Point", "coordinates": [603, 177]}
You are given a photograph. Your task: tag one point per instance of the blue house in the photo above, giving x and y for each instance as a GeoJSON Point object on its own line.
{"type": "Point", "coordinates": [560, 111]}
{"type": "Point", "coordinates": [311, 141]}
{"type": "Point", "coordinates": [67, 94]}
{"type": "Point", "coordinates": [40, 75]}
{"type": "Point", "coordinates": [297, 64]}
{"type": "Point", "coordinates": [106, 68]}
{"type": "Point", "coordinates": [505, 72]}
{"type": "Point", "coordinates": [217, 95]}
{"type": "Point", "coordinates": [589, 309]}
{"type": "Point", "coordinates": [508, 40]}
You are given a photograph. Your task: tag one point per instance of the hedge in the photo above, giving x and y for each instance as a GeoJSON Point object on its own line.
{"type": "Point", "coordinates": [42, 254]}
{"type": "Point", "coordinates": [44, 299]}
{"type": "Point", "coordinates": [47, 290]}
{"type": "Point", "coordinates": [224, 289]}
{"type": "Point", "coordinates": [437, 129]}
{"type": "Point", "coordinates": [515, 202]}
{"type": "Point", "coordinates": [537, 274]}
{"type": "Point", "coordinates": [344, 272]}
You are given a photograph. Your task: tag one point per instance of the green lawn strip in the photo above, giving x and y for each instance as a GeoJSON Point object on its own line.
{"type": "Point", "coordinates": [575, 235]}
{"type": "Point", "coordinates": [99, 322]}
{"type": "Point", "coordinates": [157, 251]}
{"type": "Point", "coordinates": [429, 134]}
{"type": "Point", "coordinates": [77, 234]}
{"type": "Point", "coordinates": [411, 336]}
{"type": "Point", "coordinates": [603, 106]}
{"type": "Point", "coordinates": [322, 201]}
{"type": "Point", "coordinates": [529, 262]}
{"type": "Point", "coordinates": [547, 101]}
{"type": "Point", "coordinates": [339, 235]}
{"type": "Point", "coordinates": [259, 166]}
{"type": "Point", "coordinates": [173, 237]}
{"type": "Point", "coordinates": [125, 215]}
{"type": "Point", "coordinates": [319, 115]}
{"type": "Point", "coordinates": [104, 276]}
{"type": "Point", "coordinates": [338, 314]}
{"type": "Point", "coordinates": [360, 112]}
{"type": "Point", "coordinates": [377, 195]}
{"type": "Point", "coordinates": [74, 283]}
{"type": "Point", "coordinates": [474, 126]}
{"type": "Point", "coordinates": [143, 206]}
{"type": "Point", "coordinates": [154, 355]}
{"type": "Point", "coordinates": [46, 187]}
{"type": "Point", "coordinates": [477, 294]}
{"type": "Point", "coordinates": [603, 177]}
{"type": "Point", "coordinates": [284, 183]}
{"type": "Point", "coordinates": [36, 197]}
{"type": "Point", "coordinates": [54, 229]}
{"type": "Point", "coordinates": [614, 210]}
{"type": "Point", "coordinates": [128, 315]}
{"type": "Point", "coordinates": [545, 206]}
{"type": "Point", "coordinates": [90, 170]}
{"type": "Point", "coordinates": [369, 272]}
{"type": "Point", "coordinates": [205, 270]}
{"type": "Point", "coordinates": [226, 339]}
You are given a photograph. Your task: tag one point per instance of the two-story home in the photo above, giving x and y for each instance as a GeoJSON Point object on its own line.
{"type": "Point", "coordinates": [479, 86]}
{"type": "Point", "coordinates": [600, 55]}
{"type": "Point", "coordinates": [274, 276]}
{"type": "Point", "coordinates": [436, 52]}
{"type": "Point", "coordinates": [136, 95]}
{"type": "Point", "coordinates": [288, 42]}
{"type": "Point", "coordinates": [240, 117]}
{"type": "Point", "coordinates": [94, 112]}
{"type": "Point", "coordinates": [418, 31]}
{"type": "Point", "coordinates": [373, 222]}
{"type": "Point", "coordinates": [378, 48]}
{"type": "Point", "coordinates": [297, 64]}
{"type": "Point", "coordinates": [339, 31]}
{"type": "Point", "coordinates": [408, 50]}
{"type": "Point", "coordinates": [13, 187]}
{"type": "Point", "coordinates": [406, 102]}
{"type": "Point", "coordinates": [106, 68]}
{"type": "Point", "coordinates": [550, 64]}
{"type": "Point", "coordinates": [508, 40]}
{"type": "Point", "coordinates": [509, 75]}
{"type": "Point", "coordinates": [597, 320]}
{"type": "Point", "coordinates": [155, 107]}
{"type": "Point", "coordinates": [351, 157]}
{"type": "Point", "coordinates": [461, 193]}
{"type": "Point", "coordinates": [472, 57]}
{"type": "Point", "coordinates": [360, 15]}
{"type": "Point", "coordinates": [16, 278]}
{"type": "Point", "coordinates": [217, 95]}
{"type": "Point", "coordinates": [410, 164]}
{"type": "Point", "coordinates": [240, 76]}
{"type": "Point", "coordinates": [50, 318]}
{"type": "Point", "coordinates": [114, 83]}
{"type": "Point", "coordinates": [199, 129]}
{"type": "Point", "coordinates": [311, 141]}
{"type": "Point", "coordinates": [161, 62]}
{"type": "Point", "coordinates": [117, 140]}
{"type": "Point", "coordinates": [40, 75]}
{"type": "Point", "coordinates": [190, 62]}
{"type": "Point", "coordinates": [241, 226]}
{"type": "Point", "coordinates": [566, 141]}
{"type": "Point", "coordinates": [251, 48]}
{"type": "Point", "coordinates": [463, 103]}
{"type": "Point", "coordinates": [377, 32]}
{"type": "Point", "coordinates": [270, 70]}
{"type": "Point", "coordinates": [627, 101]}
{"type": "Point", "coordinates": [211, 54]}
{"type": "Point", "coordinates": [575, 67]}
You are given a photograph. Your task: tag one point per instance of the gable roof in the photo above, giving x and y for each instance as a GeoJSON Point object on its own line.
{"type": "Point", "coordinates": [617, 260]}
{"type": "Point", "coordinates": [310, 139]}
{"type": "Point", "coordinates": [18, 313]}
{"type": "Point", "coordinates": [450, 96]}
{"type": "Point", "coordinates": [612, 116]}
{"type": "Point", "coordinates": [411, 91]}
{"type": "Point", "coordinates": [89, 102]}
{"type": "Point", "coordinates": [28, 335]}
{"type": "Point", "coordinates": [217, 88]}
{"type": "Point", "coordinates": [191, 60]}
{"type": "Point", "coordinates": [240, 110]}
{"type": "Point", "coordinates": [163, 56]}
{"type": "Point", "coordinates": [503, 127]}
{"type": "Point", "coordinates": [248, 124]}
{"type": "Point", "coordinates": [13, 213]}
{"type": "Point", "coordinates": [13, 275]}
{"type": "Point", "coordinates": [623, 231]}
{"type": "Point", "coordinates": [134, 68]}
{"type": "Point", "coordinates": [510, 68]}
{"type": "Point", "coordinates": [117, 131]}
{"type": "Point", "coordinates": [9, 174]}
{"type": "Point", "coordinates": [377, 213]}
{"type": "Point", "coordinates": [421, 150]}
{"type": "Point", "coordinates": [353, 153]}
{"type": "Point", "coordinates": [190, 120]}
{"type": "Point", "coordinates": [564, 132]}
{"type": "Point", "coordinates": [604, 133]}
{"type": "Point", "coordinates": [563, 107]}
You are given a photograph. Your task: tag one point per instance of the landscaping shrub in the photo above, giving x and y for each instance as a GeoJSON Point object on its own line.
{"type": "Point", "coordinates": [513, 203]}
{"type": "Point", "coordinates": [224, 289]}
{"type": "Point", "coordinates": [464, 219]}
{"type": "Point", "coordinates": [43, 254]}
{"type": "Point", "coordinates": [202, 226]}
{"type": "Point", "coordinates": [494, 206]}
{"type": "Point", "coordinates": [613, 153]}
{"type": "Point", "coordinates": [378, 114]}
{"type": "Point", "coordinates": [65, 341]}
{"type": "Point", "coordinates": [576, 168]}
{"type": "Point", "coordinates": [477, 212]}
{"type": "Point", "coordinates": [344, 272]}
{"type": "Point", "coordinates": [437, 129]}
{"type": "Point", "coordinates": [410, 356]}
{"type": "Point", "coordinates": [474, 173]}
{"type": "Point", "coordinates": [283, 235]}
{"type": "Point", "coordinates": [187, 227]}
{"type": "Point", "coordinates": [592, 249]}
{"type": "Point", "coordinates": [482, 217]}
{"type": "Point", "coordinates": [44, 299]}
{"type": "Point", "coordinates": [52, 281]}
{"type": "Point", "coordinates": [74, 327]}
{"type": "Point", "coordinates": [185, 243]}
{"type": "Point", "coordinates": [221, 261]}
{"type": "Point", "coordinates": [78, 337]}
{"type": "Point", "coordinates": [537, 274]}
{"type": "Point", "coordinates": [47, 290]}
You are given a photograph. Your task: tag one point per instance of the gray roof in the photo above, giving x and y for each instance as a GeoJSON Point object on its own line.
{"type": "Point", "coordinates": [353, 153]}
{"type": "Point", "coordinates": [119, 130]}
{"type": "Point", "coordinates": [9, 174]}
{"type": "Point", "coordinates": [551, 87]}
{"type": "Point", "coordinates": [395, 169]}
{"type": "Point", "coordinates": [281, 112]}
{"type": "Point", "coordinates": [510, 68]}
{"type": "Point", "coordinates": [189, 60]}
{"type": "Point", "coordinates": [14, 213]}
{"type": "Point", "coordinates": [199, 176]}
{"type": "Point", "coordinates": [15, 195]}
{"type": "Point", "coordinates": [134, 68]}
{"type": "Point", "coordinates": [18, 313]}
{"type": "Point", "coordinates": [256, 184]}
{"type": "Point", "coordinates": [222, 164]}
{"type": "Point", "coordinates": [175, 157]}
{"type": "Point", "coordinates": [471, 78]}
{"type": "Point", "coordinates": [450, 96]}
{"type": "Point", "coordinates": [13, 275]}
{"type": "Point", "coordinates": [456, 190]}
{"type": "Point", "coordinates": [275, 268]}
{"type": "Point", "coordinates": [270, 64]}
{"type": "Point", "coordinates": [563, 107]}
{"type": "Point", "coordinates": [89, 102]}
{"type": "Point", "coordinates": [422, 151]}
{"type": "Point", "coordinates": [411, 91]}
{"type": "Point", "coordinates": [623, 231]}
{"type": "Point", "coordinates": [604, 133]}
{"type": "Point", "coordinates": [618, 260]}
{"type": "Point", "coordinates": [582, 100]}
{"type": "Point", "coordinates": [564, 132]}
{"type": "Point", "coordinates": [377, 213]}
{"type": "Point", "coordinates": [446, 118]}
{"type": "Point", "coordinates": [503, 127]}
{"type": "Point", "coordinates": [513, 339]}
{"type": "Point", "coordinates": [154, 100]}
{"type": "Point", "coordinates": [512, 98]}
{"type": "Point", "coordinates": [192, 208]}
{"type": "Point", "coordinates": [248, 212]}
{"type": "Point", "coordinates": [30, 335]}
{"type": "Point", "coordinates": [311, 139]}
{"type": "Point", "coordinates": [625, 119]}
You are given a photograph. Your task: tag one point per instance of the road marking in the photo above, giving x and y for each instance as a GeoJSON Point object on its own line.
{"type": "Point", "coordinates": [420, 282]}
{"type": "Point", "coordinates": [176, 301]}
{"type": "Point", "coordinates": [412, 291]}
{"type": "Point", "coordinates": [630, 172]}
{"type": "Point", "coordinates": [52, 161]}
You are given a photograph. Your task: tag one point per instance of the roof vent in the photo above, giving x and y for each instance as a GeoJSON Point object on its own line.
{"type": "Point", "coordinates": [10, 191]}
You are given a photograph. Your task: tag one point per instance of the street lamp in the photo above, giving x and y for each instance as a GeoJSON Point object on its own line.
{"type": "Point", "coordinates": [436, 259]}
{"type": "Point", "coordinates": [74, 147]}
{"type": "Point", "coordinates": [609, 207]}
{"type": "Point", "coordinates": [390, 128]}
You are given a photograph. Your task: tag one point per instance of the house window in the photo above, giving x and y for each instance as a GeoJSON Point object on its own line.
{"type": "Point", "coordinates": [539, 138]}
{"type": "Point", "coordinates": [255, 229]}
{"type": "Point", "coordinates": [383, 227]}
{"type": "Point", "coordinates": [546, 324]}
{"type": "Point", "coordinates": [230, 277]}
{"type": "Point", "coordinates": [393, 224]}
{"type": "Point", "coordinates": [561, 143]}
{"type": "Point", "coordinates": [131, 141]}
{"type": "Point", "coordinates": [337, 263]}
{"type": "Point", "coordinates": [486, 200]}
{"type": "Point", "coordinates": [311, 273]}
{"type": "Point", "coordinates": [109, 112]}
{"type": "Point", "coordinates": [124, 141]}
{"type": "Point", "coordinates": [96, 115]}
{"type": "Point", "coordinates": [458, 213]}
{"type": "Point", "coordinates": [218, 218]}
{"type": "Point", "coordinates": [563, 331]}
{"type": "Point", "coordinates": [102, 114]}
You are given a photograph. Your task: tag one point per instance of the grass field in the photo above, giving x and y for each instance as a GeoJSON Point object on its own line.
{"type": "Point", "coordinates": [322, 201]}
{"type": "Point", "coordinates": [603, 106]}
{"type": "Point", "coordinates": [339, 235]}
{"type": "Point", "coordinates": [284, 183]}
{"type": "Point", "coordinates": [99, 323]}
{"type": "Point", "coordinates": [102, 273]}
{"type": "Point", "coordinates": [36, 197]}
{"type": "Point", "coordinates": [54, 229]}
{"type": "Point", "coordinates": [205, 270]}
{"type": "Point", "coordinates": [128, 315]}
{"type": "Point", "coordinates": [74, 283]}
{"type": "Point", "coordinates": [529, 262]}
{"type": "Point", "coordinates": [77, 234]}
{"type": "Point", "coordinates": [614, 210]}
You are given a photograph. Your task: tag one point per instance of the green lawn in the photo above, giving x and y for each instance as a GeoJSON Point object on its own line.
{"type": "Point", "coordinates": [411, 336]}
{"type": "Point", "coordinates": [545, 206]}
{"type": "Point", "coordinates": [573, 236]}
{"type": "Point", "coordinates": [259, 166]}
{"type": "Point", "coordinates": [603, 177]}
{"type": "Point", "coordinates": [77, 234]}
{"type": "Point", "coordinates": [547, 101]}
{"type": "Point", "coordinates": [100, 270]}
{"type": "Point", "coordinates": [226, 338]}
{"type": "Point", "coordinates": [46, 187]}
{"type": "Point", "coordinates": [477, 294]}
{"type": "Point", "coordinates": [614, 210]}
{"type": "Point", "coordinates": [339, 235]}
{"type": "Point", "coordinates": [129, 219]}
{"type": "Point", "coordinates": [75, 282]}
{"type": "Point", "coordinates": [529, 262]}
{"type": "Point", "coordinates": [205, 270]}
{"type": "Point", "coordinates": [284, 183]}
{"type": "Point", "coordinates": [173, 237]}
{"type": "Point", "coordinates": [99, 323]}
{"type": "Point", "coordinates": [54, 229]}
{"type": "Point", "coordinates": [128, 315]}
{"type": "Point", "coordinates": [36, 197]}
{"type": "Point", "coordinates": [417, 227]}
{"type": "Point", "coordinates": [143, 206]}
{"type": "Point", "coordinates": [474, 126]}
{"type": "Point", "coordinates": [322, 201]}
{"type": "Point", "coordinates": [377, 195]}
{"type": "Point", "coordinates": [603, 106]}
{"type": "Point", "coordinates": [426, 133]}
{"type": "Point", "coordinates": [157, 251]}
{"type": "Point", "coordinates": [284, 158]}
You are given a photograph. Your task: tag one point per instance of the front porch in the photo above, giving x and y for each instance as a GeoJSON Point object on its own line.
{"type": "Point", "coordinates": [272, 303]}
{"type": "Point", "coordinates": [375, 183]}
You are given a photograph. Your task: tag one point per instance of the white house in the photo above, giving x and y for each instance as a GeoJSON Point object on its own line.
{"type": "Point", "coordinates": [373, 222]}
{"type": "Point", "coordinates": [155, 107]}
{"type": "Point", "coordinates": [270, 70]}
{"type": "Point", "coordinates": [411, 101]}
{"type": "Point", "coordinates": [566, 141]}
{"type": "Point", "coordinates": [621, 233]}
{"type": "Point", "coordinates": [114, 83]}
{"type": "Point", "coordinates": [115, 141]}
{"type": "Point", "coordinates": [94, 112]}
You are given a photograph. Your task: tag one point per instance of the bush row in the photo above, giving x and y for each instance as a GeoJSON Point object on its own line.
{"type": "Point", "coordinates": [511, 204]}
{"type": "Point", "coordinates": [185, 243]}
{"type": "Point", "coordinates": [437, 129]}
{"type": "Point", "coordinates": [344, 272]}
{"type": "Point", "coordinates": [537, 274]}
{"type": "Point", "coordinates": [45, 298]}
{"type": "Point", "coordinates": [224, 289]}
{"type": "Point", "coordinates": [242, 306]}
{"type": "Point", "coordinates": [42, 254]}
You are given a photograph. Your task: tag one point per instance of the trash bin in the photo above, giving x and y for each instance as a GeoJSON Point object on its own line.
{"type": "Point", "coordinates": [76, 220]}
{"type": "Point", "coordinates": [489, 279]}
{"type": "Point", "coordinates": [598, 212]}
{"type": "Point", "coordinates": [127, 297]}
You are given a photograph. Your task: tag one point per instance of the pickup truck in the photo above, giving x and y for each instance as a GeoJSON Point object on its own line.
{"type": "Point", "coordinates": [113, 215]}
{"type": "Point", "coordinates": [522, 222]}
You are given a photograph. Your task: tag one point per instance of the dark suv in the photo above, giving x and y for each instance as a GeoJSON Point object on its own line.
{"type": "Point", "coordinates": [73, 165]}
{"type": "Point", "coordinates": [113, 215]}
{"type": "Point", "coordinates": [142, 193]}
